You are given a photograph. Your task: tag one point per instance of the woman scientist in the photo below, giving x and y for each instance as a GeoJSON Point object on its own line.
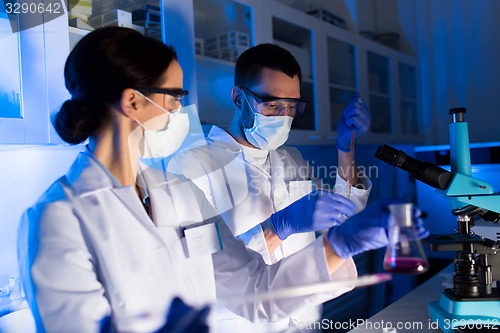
{"type": "Point", "coordinates": [97, 245]}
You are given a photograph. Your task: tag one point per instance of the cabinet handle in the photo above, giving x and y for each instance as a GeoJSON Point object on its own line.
{"type": "Point", "coordinates": [314, 137]}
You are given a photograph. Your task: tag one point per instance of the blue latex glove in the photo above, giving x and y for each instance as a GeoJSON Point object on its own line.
{"type": "Point", "coordinates": [367, 230]}
{"type": "Point", "coordinates": [106, 326]}
{"type": "Point", "coordinates": [182, 318]}
{"type": "Point", "coordinates": [355, 115]}
{"type": "Point", "coordinates": [317, 211]}
{"type": "Point", "coordinates": [419, 223]}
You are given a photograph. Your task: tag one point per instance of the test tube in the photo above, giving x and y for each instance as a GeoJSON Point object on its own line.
{"type": "Point", "coordinates": [351, 167]}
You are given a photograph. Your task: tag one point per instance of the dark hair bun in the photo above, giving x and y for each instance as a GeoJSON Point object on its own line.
{"type": "Point", "coordinates": [73, 122]}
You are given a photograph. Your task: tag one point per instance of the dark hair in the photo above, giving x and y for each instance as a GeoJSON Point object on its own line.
{"type": "Point", "coordinates": [251, 62]}
{"type": "Point", "coordinates": [103, 64]}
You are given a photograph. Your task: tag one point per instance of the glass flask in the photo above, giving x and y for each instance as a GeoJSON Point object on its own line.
{"type": "Point", "coordinates": [404, 253]}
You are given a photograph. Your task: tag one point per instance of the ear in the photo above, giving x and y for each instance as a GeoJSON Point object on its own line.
{"type": "Point", "coordinates": [129, 103]}
{"type": "Point", "coordinates": [236, 96]}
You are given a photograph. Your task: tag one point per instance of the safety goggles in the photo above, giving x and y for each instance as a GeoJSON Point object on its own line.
{"type": "Point", "coordinates": [275, 106]}
{"type": "Point", "coordinates": [177, 95]}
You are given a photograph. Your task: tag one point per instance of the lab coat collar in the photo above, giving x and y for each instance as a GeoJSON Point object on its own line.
{"type": "Point", "coordinates": [223, 138]}
{"type": "Point", "coordinates": [87, 176]}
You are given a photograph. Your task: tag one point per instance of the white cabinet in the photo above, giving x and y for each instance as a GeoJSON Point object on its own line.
{"type": "Point", "coordinates": [208, 36]}
{"type": "Point", "coordinates": [335, 64]}
{"type": "Point", "coordinates": [389, 87]}
{"type": "Point", "coordinates": [410, 119]}
{"type": "Point", "coordinates": [296, 35]}
{"type": "Point", "coordinates": [342, 79]}
{"type": "Point", "coordinates": [379, 92]}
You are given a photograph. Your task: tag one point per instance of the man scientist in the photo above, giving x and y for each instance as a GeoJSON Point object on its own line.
{"type": "Point", "coordinates": [248, 175]}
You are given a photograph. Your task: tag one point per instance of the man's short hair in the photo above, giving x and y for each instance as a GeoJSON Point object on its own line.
{"type": "Point", "coordinates": [251, 62]}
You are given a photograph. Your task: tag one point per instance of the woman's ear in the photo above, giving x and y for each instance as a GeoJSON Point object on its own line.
{"type": "Point", "coordinates": [129, 103]}
{"type": "Point", "coordinates": [236, 96]}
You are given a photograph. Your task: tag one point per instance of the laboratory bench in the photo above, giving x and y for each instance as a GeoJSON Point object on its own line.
{"type": "Point", "coordinates": [409, 313]}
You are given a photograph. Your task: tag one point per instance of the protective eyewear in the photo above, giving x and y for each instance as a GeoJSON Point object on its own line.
{"type": "Point", "coordinates": [176, 94]}
{"type": "Point", "coordinates": [275, 106]}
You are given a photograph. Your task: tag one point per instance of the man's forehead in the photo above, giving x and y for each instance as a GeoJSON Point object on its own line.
{"type": "Point", "coordinates": [276, 83]}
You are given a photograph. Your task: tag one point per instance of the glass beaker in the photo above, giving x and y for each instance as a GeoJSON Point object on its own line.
{"type": "Point", "coordinates": [404, 253]}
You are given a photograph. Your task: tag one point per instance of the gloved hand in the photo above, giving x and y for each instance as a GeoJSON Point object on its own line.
{"type": "Point", "coordinates": [355, 115]}
{"type": "Point", "coordinates": [182, 318]}
{"type": "Point", "coordinates": [367, 230]}
{"type": "Point", "coordinates": [316, 211]}
{"type": "Point", "coordinates": [419, 223]}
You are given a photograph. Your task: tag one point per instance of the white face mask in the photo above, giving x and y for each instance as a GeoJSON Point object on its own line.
{"type": "Point", "coordinates": [268, 132]}
{"type": "Point", "coordinates": [164, 142]}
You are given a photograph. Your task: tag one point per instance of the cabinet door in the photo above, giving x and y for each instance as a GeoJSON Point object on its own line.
{"type": "Point", "coordinates": [409, 122]}
{"type": "Point", "coordinates": [223, 29]}
{"type": "Point", "coordinates": [342, 79]}
{"type": "Point", "coordinates": [293, 30]}
{"type": "Point", "coordinates": [298, 41]}
{"type": "Point", "coordinates": [379, 86]}
{"type": "Point", "coordinates": [142, 15]}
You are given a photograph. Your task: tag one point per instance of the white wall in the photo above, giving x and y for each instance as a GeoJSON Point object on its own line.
{"type": "Point", "coordinates": [25, 173]}
{"type": "Point", "coordinates": [458, 50]}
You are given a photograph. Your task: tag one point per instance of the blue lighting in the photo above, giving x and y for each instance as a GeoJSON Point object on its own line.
{"type": "Point", "coordinates": [10, 85]}
{"type": "Point", "coordinates": [231, 13]}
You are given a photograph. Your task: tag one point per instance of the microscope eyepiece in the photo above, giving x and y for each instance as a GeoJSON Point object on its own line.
{"type": "Point", "coordinates": [424, 171]}
{"type": "Point", "coordinates": [457, 110]}
{"type": "Point", "coordinates": [458, 114]}
{"type": "Point", "coordinates": [390, 155]}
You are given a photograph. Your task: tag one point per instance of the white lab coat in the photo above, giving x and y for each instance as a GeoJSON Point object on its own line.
{"type": "Point", "coordinates": [88, 249]}
{"type": "Point", "coordinates": [245, 194]}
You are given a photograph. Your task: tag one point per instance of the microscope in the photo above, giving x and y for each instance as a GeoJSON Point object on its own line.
{"type": "Point", "coordinates": [473, 304]}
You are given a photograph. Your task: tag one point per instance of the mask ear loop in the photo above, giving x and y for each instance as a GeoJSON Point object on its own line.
{"type": "Point", "coordinates": [144, 137]}
{"type": "Point", "coordinates": [144, 129]}
{"type": "Point", "coordinates": [251, 109]}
